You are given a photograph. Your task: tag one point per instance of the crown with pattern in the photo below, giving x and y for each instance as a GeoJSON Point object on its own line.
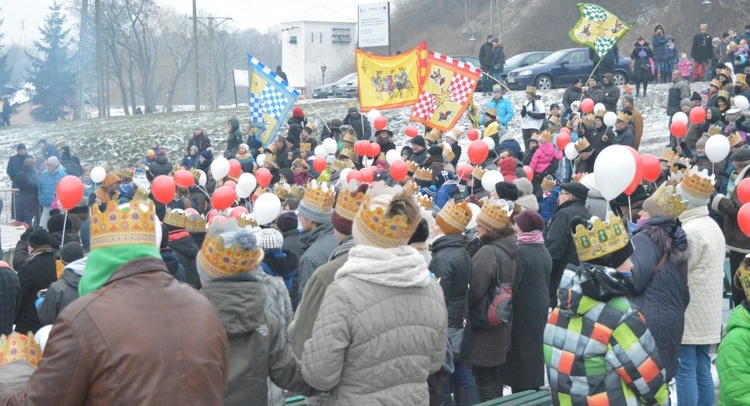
{"type": "Point", "coordinates": [448, 153]}
{"type": "Point", "coordinates": [669, 200]}
{"type": "Point", "coordinates": [411, 187]}
{"type": "Point", "coordinates": [495, 214]}
{"type": "Point", "coordinates": [423, 174]}
{"type": "Point", "coordinates": [667, 155]}
{"type": "Point", "coordinates": [218, 260]}
{"type": "Point", "coordinates": [195, 224]}
{"type": "Point", "coordinates": [723, 94]}
{"type": "Point", "coordinates": [546, 136]}
{"type": "Point", "coordinates": [19, 347]}
{"type": "Point", "coordinates": [530, 89]}
{"type": "Point", "coordinates": [373, 223]}
{"type": "Point", "coordinates": [305, 147]}
{"type": "Point", "coordinates": [319, 196]}
{"type": "Point", "coordinates": [740, 78]}
{"type": "Point", "coordinates": [433, 135]}
{"type": "Point", "coordinates": [176, 218]}
{"type": "Point", "coordinates": [114, 227]}
{"type": "Point", "coordinates": [726, 72]}
{"type": "Point", "coordinates": [548, 183]}
{"type": "Point", "coordinates": [281, 190]}
{"type": "Point", "coordinates": [454, 217]}
{"type": "Point", "coordinates": [697, 183]}
{"type": "Point", "coordinates": [581, 145]}
{"type": "Point", "coordinates": [347, 205]}
{"type": "Point", "coordinates": [734, 139]}
{"type": "Point", "coordinates": [411, 166]}
{"type": "Point", "coordinates": [714, 129]}
{"type": "Point", "coordinates": [424, 201]}
{"type": "Point", "coordinates": [347, 152]}
{"type": "Point", "coordinates": [600, 238]}
{"type": "Point", "coordinates": [715, 83]}
{"type": "Point", "coordinates": [624, 117]}
{"type": "Point", "coordinates": [589, 119]}
{"type": "Point", "coordinates": [578, 176]}
{"type": "Point", "coordinates": [478, 172]}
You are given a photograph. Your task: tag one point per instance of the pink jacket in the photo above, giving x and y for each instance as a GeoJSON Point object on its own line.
{"type": "Point", "coordinates": [543, 157]}
{"type": "Point", "coordinates": [684, 66]}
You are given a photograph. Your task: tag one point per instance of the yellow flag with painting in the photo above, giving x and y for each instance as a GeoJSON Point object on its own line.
{"type": "Point", "coordinates": [597, 28]}
{"type": "Point", "coordinates": [389, 82]}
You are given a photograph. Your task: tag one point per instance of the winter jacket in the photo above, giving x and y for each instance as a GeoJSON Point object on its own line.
{"type": "Point", "coordinates": [701, 49]}
{"type": "Point", "coordinates": [420, 157]}
{"type": "Point", "coordinates": [318, 246]}
{"type": "Point", "coordinates": [596, 140]}
{"type": "Point", "coordinates": [641, 57]}
{"type": "Point", "coordinates": [729, 206]}
{"type": "Point", "coordinates": [625, 137]}
{"type": "Point", "coordinates": [360, 124]}
{"type": "Point", "coordinates": [186, 250]}
{"type": "Point", "coordinates": [659, 42]}
{"type": "Point", "coordinates": [684, 66]}
{"type": "Point", "coordinates": [485, 57]}
{"type": "Point", "coordinates": [525, 365]}
{"type": "Point", "coordinates": [595, 204]}
{"type": "Point", "coordinates": [358, 351]}
{"type": "Point", "coordinates": [99, 339]}
{"type": "Point", "coordinates": [595, 93]}
{"type": "Point", "coordinates": [61, 293]}
{"type": "Point", "coordinates": [705, 277]}
{"type": "Point", "coordinates": [456, 148]}
{"type": "Point", "coordinates": [548, 205]}
{"type": "Point", "coordinates": [452, 264]}
{"type": "Point", "coordinates": [435, 164]}
{"type": "Point", "coordinates": [27, 183]}
{"type": "Point", "coordinates": [71, 164]}
{"type": "Point", "coordinates": [671, 54]}
{"type": "Point", "coordinates": [280, 264]}
{"type": "Point", "coordinates": [544, 156]}
{"type": "Point", "coordinates": [173, 264]}
{"type": "Point", "coordinates": [586, 351]}
{"type": "Point", "coordinates": [48, 185]}
{"type": "Point", "coordinates": [258, 348]}
{"type": "Point", "coordinates": [15, 165]}
{"type": "Point", "coordinates": [234, 139]}
{"type": "Point", "coordinates": [559, 242]}
{"type": "Point", "coordinates": [532, 114]}
{"type": "Point", "coordinates": [637, 119]}
{"type": "Point", "coordinates": [733, 359]}
{"type": "Point", "coordinates": [447, 191]}
{"type": "Point", "coordinates": [611, 93]}
{"type": "Point", "coordinates": [677, 92]}
{"type": "Point", "coordinates": [37, 272]}
{"type": "Point", "coordinates": [504, 111]}
{"type": "Point", "coordinates": [498, 58]}
{"type": "Point", "coordinates": [10, 299]}
{"type": "Point", "coordinates": [190, 161]}
{"type": "Point", "coordinates": [200, 141]}
{"type": "Point", "coordinates": [662, 294]}
{"type": "Point", "coordinates": [160, 166]}
{"type": "Point", "coordinates": [494, 260]}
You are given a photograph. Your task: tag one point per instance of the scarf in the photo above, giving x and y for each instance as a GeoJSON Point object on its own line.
{"type": "Point", "coordinates": [37, 252]}
{"type": "Point", "coordinates": [531, 237]}
{"type": "Point", "coordinates": [178, 235]}
{"type": "Point", "coordinates": [399, 267]}
{"type": "Point", "coordinates": [243, 157]}
{"type": "Point", "coordinates": [103, 262]}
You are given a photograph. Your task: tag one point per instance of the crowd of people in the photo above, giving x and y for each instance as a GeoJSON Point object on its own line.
{"type": "Point", "coordinates": [436, 287]}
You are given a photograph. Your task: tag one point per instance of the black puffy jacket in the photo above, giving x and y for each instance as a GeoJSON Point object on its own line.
{"type": "Point", "coordinates": [186, 251]}
{"type": "Point", "coordinates": [559, 241]}
{"type": "Point", "coordinates": [452, 264]}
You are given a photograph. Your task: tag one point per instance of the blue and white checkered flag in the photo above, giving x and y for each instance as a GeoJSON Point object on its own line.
{"type": "Point", "coordinates": [271, 99]}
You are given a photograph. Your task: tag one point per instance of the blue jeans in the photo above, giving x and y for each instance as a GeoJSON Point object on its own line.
{"type": "Point", "coordinates": [695, 385]}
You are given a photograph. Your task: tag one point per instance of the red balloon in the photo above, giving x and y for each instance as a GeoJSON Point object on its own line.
{"type": "Point", "coordinates": [238, 211]}
{"type": "Point", "coordinates": [743, 191]}
{"type": "Point", "coordinates": [223, 198]}
{"type": "Point", "coordinates": [465, 170]}
{"type": "Point", "coordinates": [697, 115]}
{"type": "Point", "coordinates": [232, 184]}
{"type": "Point", "coordinates": [367, 175]}
{"type": "Point", "coordinates": [478, 152]}
{"type": "Point", "coordinates": [380, 123]}
{"type": "Point", "coordinates": [263, 176]}
{"type": "Point", "coordinates": [374, 149]}
{"type": "Point", "coordinates": [354, 175]}
{"type": "Point", "coordinates": [529, 172]}
{"type": "Point", "coordinates": [678, 129]}
{"type": "Point", "coordinates": [472, 134]}
{"type": "Point", "coordinates": [235, 169]}
{"type": "Point", "coordinates": [651, 167]}
{"type": "Point", "coordinates": [587, 106]}
{"type": "Point", "coordinates": [638, 172]}
{"type": "Point", "coordinates": [70, 191]}
{"type": "Point", "coordinates": [163, 189]}
{"type": "Point", "coordinates": [411, 131]}
{"type": "Point", "coordinates": [743, 219]}
{"type": "Point", "coordinates": [563, 139]}
{"type": "Point", "coordinates": [183, 178]}
{"type": "Point", "coordinates": [190, 211]}
{"type": "Point", "coordinates": [211, 215]}
{"type": "Point", "coordinates": [564, 130]}
{"type": "Point", "coordinates": [399, 170]}
{"type": "Point", "coordinates": [362, 147]}
{"type": "Point", "coordinates": [319, 164]}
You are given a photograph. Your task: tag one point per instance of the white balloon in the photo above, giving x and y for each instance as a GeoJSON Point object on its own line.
{"type": "Point", "coordinates": [241, 192]}
{"type": "Point", "coordinates": [680, 116]}
{"type": "Point", "coordinates": [220, 168]}
{"type": "Point", "coordinates": [330, 145]}
{"type": "Point", "coordinates": [599, 107]}
{"type": "Point", "coordinates": [490, 142]}
{"type": "Point", "coordinates": [260, 159]}
{"type": "Point", "coordinates": [203, 178]}
{"type": "Point", "coordinates": [491, 178]}
{"type": "Point", "coordinates": [247, 183]}
{"type": "Point", "coordinates": [474, 213]}
{"type": "Point", "coordinates": [344, 173]}
{"type": "Point", "coordinates": [159, 235]}
{"type": "Point", "coordinates": [98, 174]}
{"type": "Point", "coordinates": [373, 114]}
{"type": "Point", "coordinates": [392, 156]}
{"type": "Point", "coordinates": [320, 150]}
{"type": "Point", "coordinates": [614, 170]}
{"type": "Point", "coordinates": [741, 102]}
{"type": "Point", "coordinates": [266, 208]}
{"type": "Point", "coordinates": [42, 335]}
{"type": "Point", "coordinates": [570, 151]}
{"type": "Point", "coordinates": [610, 118]}
{"type": "Point", "coordinates": [717, 148]}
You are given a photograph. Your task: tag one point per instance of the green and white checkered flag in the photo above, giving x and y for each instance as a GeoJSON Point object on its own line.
{"type": "Point", "coordinates": [597, 28]}
{"type": "Point", "coordinates": [592, 12]}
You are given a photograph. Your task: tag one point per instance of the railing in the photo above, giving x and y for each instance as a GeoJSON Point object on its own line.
{"type": "Point", "coordinates": [7, 196]}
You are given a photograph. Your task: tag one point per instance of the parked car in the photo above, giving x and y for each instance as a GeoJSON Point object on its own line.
{"type": "Point", "coordinates": [562, 68]}
{"type": "Point", "coordinates": [472, 60]}
{"type": "Point", "coordinates": [323, 92]}
{"type": "Point", "coordinates": [522, 60]}
{"type": "Point", "coordinates": [345, 88]}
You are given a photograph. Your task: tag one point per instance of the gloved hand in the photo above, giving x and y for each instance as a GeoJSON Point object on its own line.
{"type": "Point", "coordinates": [715, 202]}
{"type": "Point", "coordinates": [523, 111]}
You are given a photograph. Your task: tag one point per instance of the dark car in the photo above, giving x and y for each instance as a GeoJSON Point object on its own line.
{"type": "Point", "coordinates": [522, 60]}
{"type": "Point", "coordinates": [346, 87]}
{"type": "Point", "coordinates": [325, 91]}
{"type": "Point", "coordinates": [561, 69]}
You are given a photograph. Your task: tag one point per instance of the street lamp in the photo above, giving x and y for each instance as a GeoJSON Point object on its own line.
{"type": "Point", "coordinates": [323, 72]}
{"type": "Point", "coordinates": [707, 8]}
{"type": "Point", "coordinates": [473, 39]}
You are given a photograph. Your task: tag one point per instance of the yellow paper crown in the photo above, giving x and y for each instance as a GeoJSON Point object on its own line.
{"type": "Point", "coordinates": [623, 117]}
{"type": "Point", "coordinates": [530, 89]}
{"type": "Point", "coordinates": [697, 183]}
{"type": "Point", "coordinates": [667, 155]}
{"type": "Point", "coordinates": [176, 218]}
{"type": "Point", "coordinates": [448, 153]}
{"type": "Point", "coordinates": [373, 224]}
{"type": "Point", "coordinates": [589, 119]}
{"type": "Point", "coordinates": [350, 137]}
{"type": "Point", "coordinates": [495, 214]}
{"type": "Point", "coordinates": [478, 172]}
{"type": "Point", "coordinates": [548, 183]}
{"type": "Point", "coordinates": [125, 174]}
{"type": "Point", "coordinates": [454, 217]}
{"type": "Point", "coordinates": [740, 78]}
{"type": "Point", "coordinates": [196, 174]}
{"type": "Point", "coordinates": [713, 130]}
{"type": "Point", "coordinates": [280, 192]}
{"type": "Point", "coordinates": [351, 103]}
{"type": "Point", "coordinates": [726, 72]}
{"type": "Point", "coordinates": [305, 147]}
{"type": "Point", "coordinates": [582, 144]}
{"type": "Point", "coordinates": [601, 112]}
{"type": "Point", "coordinates": [724, 94]}
{"type": "Point", "coordinates": [600, 238]}
{"type": "Point", "coordinates": [411, 187]}
{"type": "Point", "coordinates": [433, 135]}
{"type": "Point", "coordinates": [546, 136]}
{"type": "Point", "coordinates": [715, 83]}
{"type": "Point", "coordinates": [347, 152]}
{"type": "Point", "coordinates": [667, 198]}
{"type": "Point", "coordinates": [19, 347]}
{"type": "Point", "coordinates": [349, 201]}
{"type": "Point", "coordinates": [578, 176]}
{"type": "Point", "coordinates": [247, 221]}
{"type": "Point", "coordinates": [535, 136]}
{"type": "Point", "coordinates": [115, 227]}
{"type": "Point", "coordinates": [319, 196]}
{"type": "Point", "coordinates": [423, 174]}
{"type": "Point", "coordinates": [555, 120]}
{"type": "Point", "coordinates": [217, 260]}
{"type": "Point", "coordinates": [424, 201]}
{"type": "Point", "coordinates": [411, 166]}
{"type": "Point", "coordinates": [195, 224]}
{"type": "Point", "coordinates": [271, 159]}
{"type": "Point", "coordinates": [735, 139]}
{"type": "Point", "coordinates": [742, 277]}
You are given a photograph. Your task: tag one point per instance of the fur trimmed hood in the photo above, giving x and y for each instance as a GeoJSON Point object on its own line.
{"type": "Point", "coordinates": [667, 235]}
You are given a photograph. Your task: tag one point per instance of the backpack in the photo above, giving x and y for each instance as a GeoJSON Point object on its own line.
{"type": "Point", "coordinates": [496, 307]}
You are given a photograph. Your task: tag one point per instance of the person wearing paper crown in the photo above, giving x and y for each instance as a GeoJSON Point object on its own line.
{"type": "Point", "coordinates": [618, 363]}
{"type": "Point", "coordinates": [495, 260]}
{"type": "Point", "coordinates": [733, 355]}
{"type": "Point", "coordinates": [501, 107]}
{"type": "Point", "coordinates": [132, 317]}
{"type": "Point", "coordinates": [360, 328]}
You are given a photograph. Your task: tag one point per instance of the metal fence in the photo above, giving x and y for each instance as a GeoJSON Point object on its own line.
{"type": "Point", "coordinates": [7, 196]}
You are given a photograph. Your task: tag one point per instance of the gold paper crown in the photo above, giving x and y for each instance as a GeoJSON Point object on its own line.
{"type": "Point", "coordinates": [589, 119]}
{"type": "Point", "coordinates": [578, 176]}
{"type": "Point", "coordinates": [411, 187]}
{"type": "Point", "coordinates": [456, 133]}
{"type": "Point", "coordinates": [19, 347]}
{"type": "Point", "coordinates": [195, 224]}
{"type": "Point", "coordinates": [217, 260]}
{"type": "Point", "coordinates": [424, 201]}
{"type": "Point", "coordinates": [536, 136]}
{"type": "Point", "coordinates": [530, 89]}
{"type": "Point", "coordinates": [115, 227]}
{"type": "Point", "coordinates": [305, 147]}
{"type": "Point", "coordinates": [555, 120]}
{"type": "Point", "coordinates": [271, 159]}
{"type": "Point", "coordinates": [667, 155]}
{"type": "Point", "coordinates": [280, 191]}
{"type": "Point", "coordinates": [411, 166]}
{"type": "Point", "coordinates": [679, 164]}
{"type": "Point", "coordinates": [341, 164]}
{"type": "Point", "coordinates": [715, 83]}
{"type": "Point", "coordinates": [667, 198]}
{"type": "Point", "coordinates": [176, 218]}
{"type": "Point", "coordinates": [601, 112]}
{"type": "Point", "coordinates": [374, 225]}
{"type": "Point", "coordinates": [713, 130]}
{"type": "Point", "coordinates": [448, 153]}
{"type": "Point", "coordinates": [433, 135]}
{"type": "Point", "coordinates": [125, 174]}
{"type": "Point", "coordinates": [478, 172]}
{"type": "Point", "coordinates": [347, 152]}
{"type": "Point", "coordinates": [600, 239]}
{"type": "Point", "coordinates": [298, 191]}
{"type": "Point", "coordinates": [350, 137]}
{"type": "Point", "coordinates": [423, 174]}
{"type": "Point", "coordinates": [726, 72]}
{"type": "Point", "coordinates": [299, 162]}
{"type": "Point", "coordinates": [546, 136]}
{"type": "Point", "coordinates": [697, 183]}
{"type": "Point", "coordinates": [740, 78]}
{"type": "Point", "coordinates": [735, 139]}
{"type": "Point", "coordinates": [247, 221]}
{"type": "Point", "coordinates": [347, 205]}
{"type": "Point", "coordinates": [724, 94]}
{"type": "Point", "coordinates": [495, 214]}
{"type": "Point", "coordinates": [196, 174]}
{"type": "Point", "coordinates": [623, 117]}
{"type": "Point", "coordinates": [319, 197]}
{"type": "Point", "coordinates": [351, 103]}
{"type": "Point", "coordinates": [454, 217]}
{"type": "Point", "coordinates": [548, 183]}
{"type": "Point", "coordinates": [582, 144]}
{"type": "Point", "coordinates": [141, 194]}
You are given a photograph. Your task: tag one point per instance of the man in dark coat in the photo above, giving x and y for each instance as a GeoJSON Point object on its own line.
{"type": "Point", "coordinates": [280, 73]}
{"type": "Point", "coordinates": [200, 140]}
{"type": "Point", "coordinates": [701, 53]}
{"type": "Point", "coordinates": [419, 149]}
{"type": "Point", "coordinates": [6, 112]}
{"type": "Point", "coordinates": [360, 124]}
{"type": "Point", "coordinates": [485, 61]}
{"type": "Point", "coordinates": [37, 272]}
{"type": "Point", "coordinates": [15, 163]}
{"type": "Point", "coordinates": [234, 139]}
{"type": "Point", "coordinates": [624, 135]}
{"type": "Point", "coordinates": [64, 291]}
{"type": "Point", "coordinates": [10, 298]}
{"type": "Point", "coordinates": [47, 148]}
{"type": "Point", "coordinates": [611, 92]}
{"type": "Point", "coordinates": [558, 240]}
{"type": "Point", "coordinates": [609, 61]}
{"type": "Point", "coordinates": [296, 122]}
{"type": "Point", "coordinates": [184, 246]}
{"type": "Point", "coordinates": [160, 166]}
{"type": "Point", "coordinates": [603, 136]}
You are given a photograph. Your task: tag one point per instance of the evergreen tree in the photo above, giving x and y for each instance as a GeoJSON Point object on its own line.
{"type": "Point", "coordinates": [4, 69]}
{"type": "Point", "coordinates": [51, 73]}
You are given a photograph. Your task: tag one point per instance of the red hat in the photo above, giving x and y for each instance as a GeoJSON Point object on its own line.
{"type": "Point", "coordinates": [298, 113]}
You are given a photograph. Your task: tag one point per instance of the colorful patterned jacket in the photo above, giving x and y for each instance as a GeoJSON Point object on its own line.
{"type": "Point", "coordinates": [597, 347]}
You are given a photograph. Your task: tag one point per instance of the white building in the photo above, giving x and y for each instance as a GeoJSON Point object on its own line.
{"type": "Point", "coordinates": [318, 36]}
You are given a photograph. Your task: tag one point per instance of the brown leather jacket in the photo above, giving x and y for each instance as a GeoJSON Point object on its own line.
{"type": "Point", "coordinates": [141, 339]}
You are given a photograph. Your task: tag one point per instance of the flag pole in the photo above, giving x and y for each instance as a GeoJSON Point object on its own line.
{"type": "Point", "coordinates": [590, 76]}
{"type": "Point", "coordinates": [317, 114]}
{"type": "Point", "coordinates": [497, 81]}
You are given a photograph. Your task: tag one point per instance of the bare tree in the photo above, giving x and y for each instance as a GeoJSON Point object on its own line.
{"type": "Point", "coordinates": [177, 43]}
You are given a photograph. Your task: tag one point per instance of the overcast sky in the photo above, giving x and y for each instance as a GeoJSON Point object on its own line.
{"type": "Point", "coordinates": [23, 17]}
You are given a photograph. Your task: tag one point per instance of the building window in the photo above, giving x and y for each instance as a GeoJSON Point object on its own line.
{"type": "Point", "coordinates": [341, 36]}
{"type": "Point", "coordinates": [293, 39]}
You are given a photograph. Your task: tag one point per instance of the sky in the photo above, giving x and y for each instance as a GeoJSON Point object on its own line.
{"type": "Point", "coordinates": [23, 17]}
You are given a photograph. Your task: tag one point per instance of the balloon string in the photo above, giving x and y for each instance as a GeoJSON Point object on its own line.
{"type": "Point", "coordinates": [630, 210]}
{"type": "Point", "coordinates": [65, 221]}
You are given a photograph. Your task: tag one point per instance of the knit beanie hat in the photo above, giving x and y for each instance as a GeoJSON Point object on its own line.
{"type": "Point", "coordinates": [525, 187]}
{"type": "Point", "coordinates": [297, 112]}
{"type": "Point", "coordinates": [287, 221]}
{"type": "Point", "coordinates": [701, 143]}
{"type": "Point", "coordinates": [685, 102]}
{"type": "Point", "coordinates": [39, 238]}
{"type": "Point", "coordinates": [529, 220]}
{"type": "Point", "coordinates": [506, 191]}
{"type": "Point", "coordinates": [53, 161]}
{"type": "Point", "coordinates": [435, 150]}
{"type": "Point", "coordinates": [418, 140]}
{"type": "Point", "coordinates": [269, 238]}
{"type": "Point", "coordinates": [55, 223]}
{"type": "Point", "coordinates": [207, 155]}
{"type": "Point", "coordinates": [71, 252]}
{"type": "Point", "coordinates": [629, 98]}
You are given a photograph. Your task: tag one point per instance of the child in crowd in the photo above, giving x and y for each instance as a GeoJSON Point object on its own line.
{"type": "Point", "coordinates": [684, 65]}
{"type": "Point", "coordinates": [546, 153]}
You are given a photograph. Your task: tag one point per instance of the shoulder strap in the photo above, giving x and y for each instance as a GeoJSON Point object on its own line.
{"type": "Point", "coordinates": [658, 266]}
{"type": "Point", "coordinates": [499, 269]}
